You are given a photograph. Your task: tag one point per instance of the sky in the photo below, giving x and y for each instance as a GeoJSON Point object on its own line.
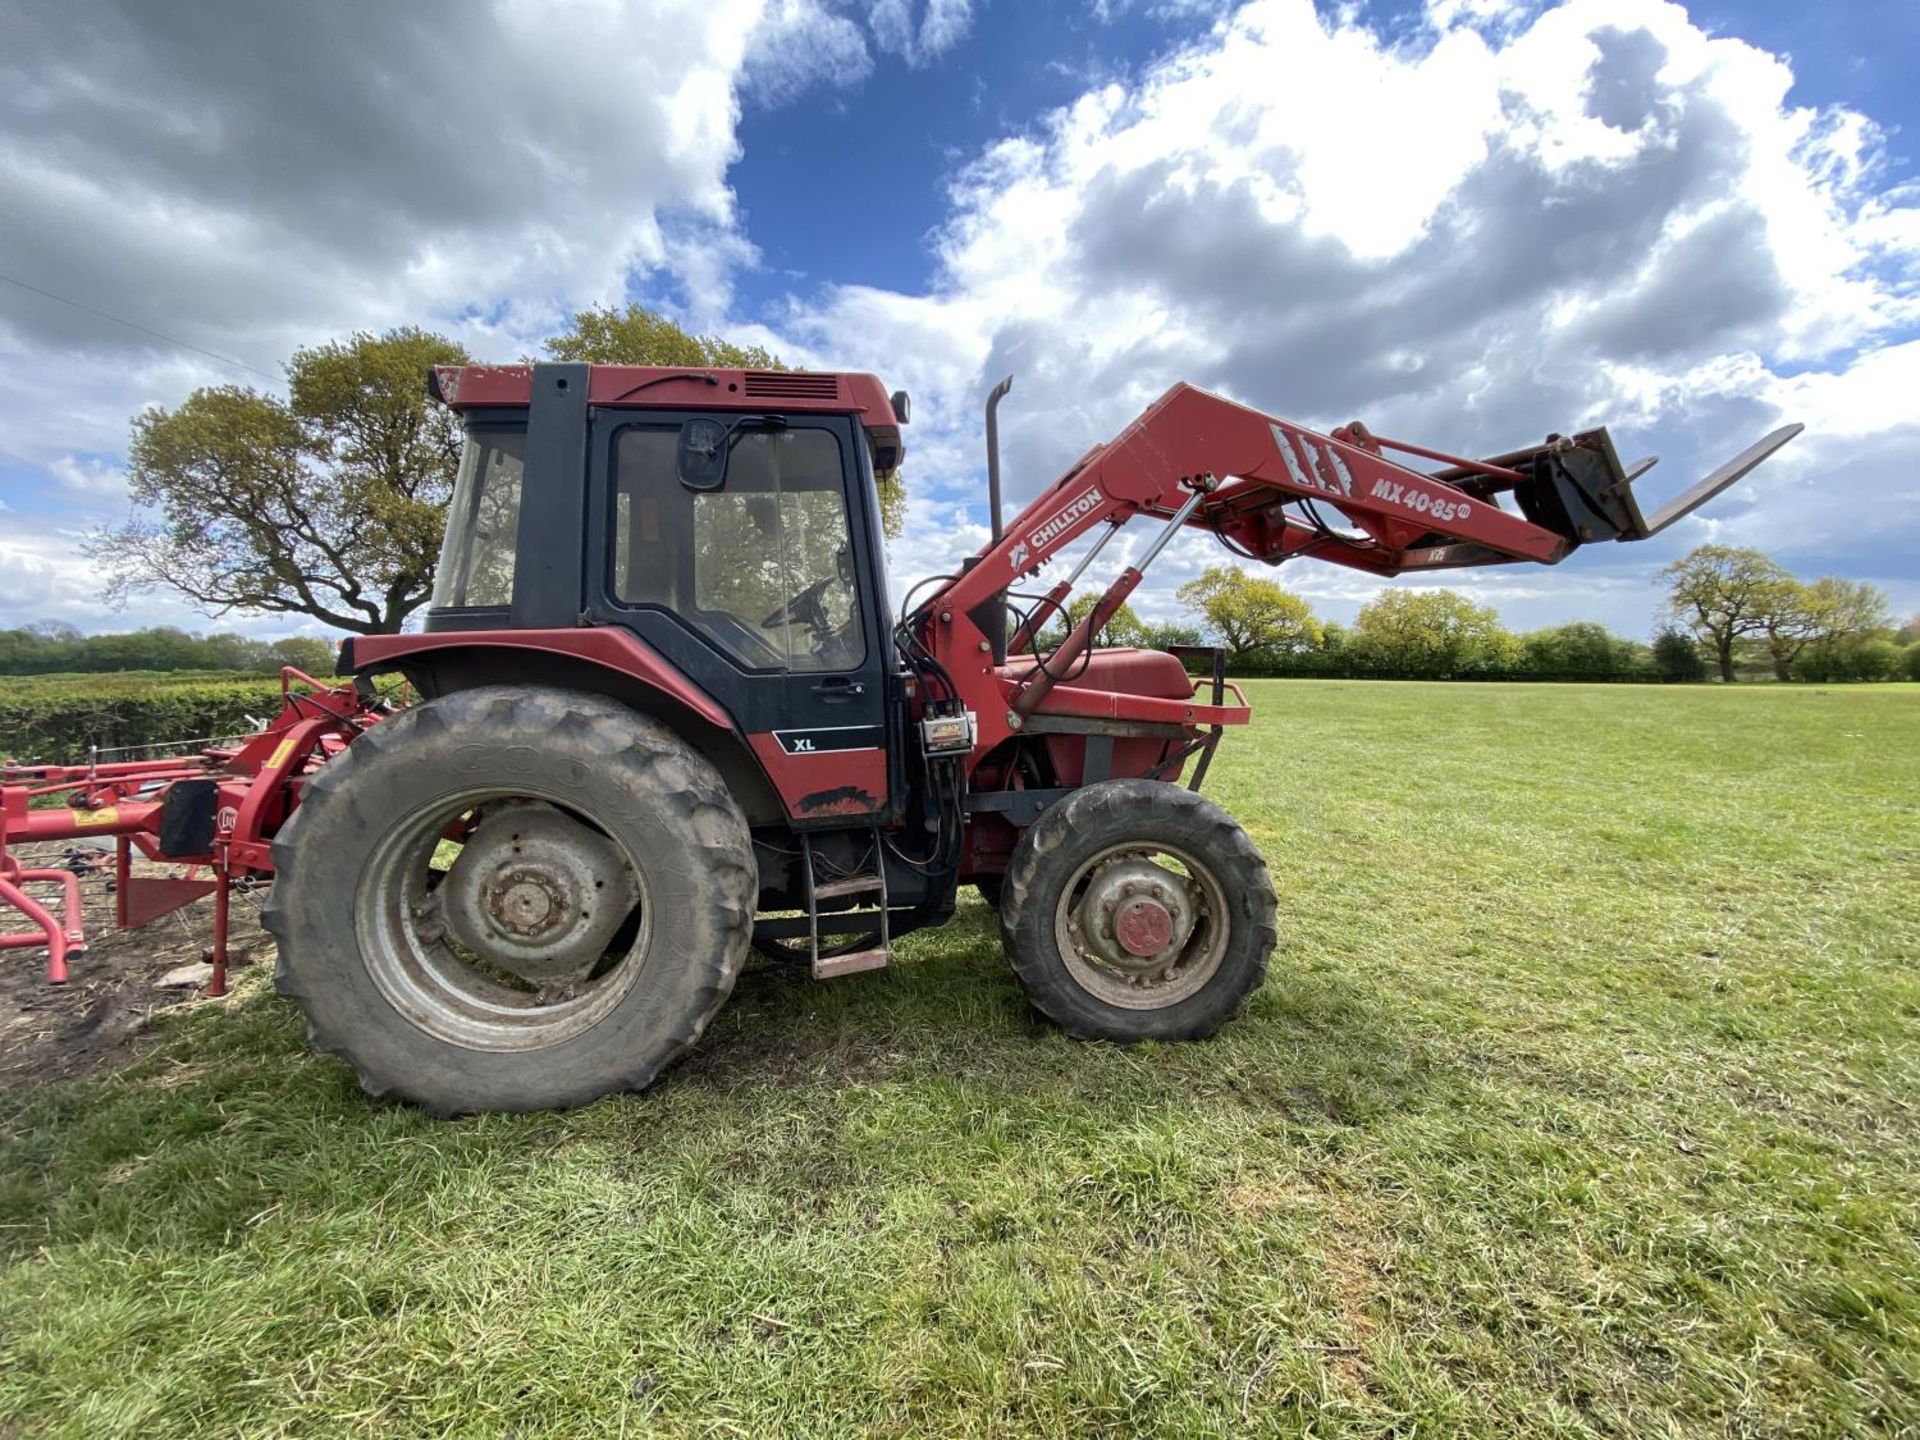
{"type": "Point", "coordinates": [1467, 222]}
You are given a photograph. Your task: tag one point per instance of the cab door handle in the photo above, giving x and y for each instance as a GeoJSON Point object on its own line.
{"type": "Point", "coordinates": [839, 688]}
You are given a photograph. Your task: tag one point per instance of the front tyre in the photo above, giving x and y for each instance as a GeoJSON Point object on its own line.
{"type": "Point", "coordinates": [1136, 910]}
{"type": "Point", "coordinates": [512, 898]}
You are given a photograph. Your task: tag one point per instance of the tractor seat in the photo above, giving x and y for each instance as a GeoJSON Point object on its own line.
{"type": "Point", "coordinates": [1122, 671]}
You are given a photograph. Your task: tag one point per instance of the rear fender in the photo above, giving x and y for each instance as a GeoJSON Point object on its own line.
{"type": "Point", "coordinates": [597, 661]}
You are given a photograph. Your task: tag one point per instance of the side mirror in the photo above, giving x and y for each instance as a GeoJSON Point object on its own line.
{"type": "Point", "coordinates": [700, 458]}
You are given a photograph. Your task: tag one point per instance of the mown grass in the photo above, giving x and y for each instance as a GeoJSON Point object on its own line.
{"type": "Point", "coordinates": [1580, 1100]}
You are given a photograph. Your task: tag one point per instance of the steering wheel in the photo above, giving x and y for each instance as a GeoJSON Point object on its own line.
{"type": "Point", "coordinates": [803, 609]}
{"type": "Point", "coordinates": [741, 638]}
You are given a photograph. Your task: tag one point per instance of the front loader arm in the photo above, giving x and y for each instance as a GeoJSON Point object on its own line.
{"type": "Point", "coordinates": [1264, 485]}
{"type": "Point", "coordinates": [1278, 477]}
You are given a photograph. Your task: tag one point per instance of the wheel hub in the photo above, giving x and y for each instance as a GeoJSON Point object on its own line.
{"type": "Point", "coordinates": [1136, 917]}
{"type": "Point", "coordinates": [537, 893]}
{"type": "Point", "coordinates": [1143, 927]}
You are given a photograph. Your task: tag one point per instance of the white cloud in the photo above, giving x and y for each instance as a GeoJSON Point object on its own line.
{"type": "Point", "coordinates": [941, 25]}
{"type": "Point", "coordinates": [1515, 223]}
{"type": "Point", "coordinates": [798, 44]}
{"type": "Point", "coordinates": [89, 476]}
{"type": "Point", "coordinates": [499, 165]}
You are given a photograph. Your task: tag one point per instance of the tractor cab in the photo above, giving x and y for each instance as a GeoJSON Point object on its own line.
{"type": "Point", "coordinates": [705, 544]}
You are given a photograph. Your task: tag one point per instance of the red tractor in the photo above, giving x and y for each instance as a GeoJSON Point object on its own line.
{"type": "Point", "coordinates": [666, 716]}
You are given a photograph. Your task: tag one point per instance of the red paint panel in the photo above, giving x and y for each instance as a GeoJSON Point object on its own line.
{"type": "Point", "coordinates": [833, 782]}
{"type": "Point", "coordinates": [57, 822]}
{"type": "Point", "coordinates": [149, 897]}
{"type": "Point", "coordinates": [1126, 670]}
{"type": "Point", "coordinates": [606, 645]}
{"type": "Point", "coordinates": [466, 387]}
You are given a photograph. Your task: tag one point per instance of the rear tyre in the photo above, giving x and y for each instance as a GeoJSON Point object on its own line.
{"type": "Point", "coordinates": [1136, 910]}
{"type": "Point", "coordinates": [512, 898]}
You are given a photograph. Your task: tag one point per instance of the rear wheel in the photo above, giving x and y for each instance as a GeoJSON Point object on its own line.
{"type": "Point", "coordinates": [512, 898]}
{"type": "Point", "coordinates": [1137, 910]}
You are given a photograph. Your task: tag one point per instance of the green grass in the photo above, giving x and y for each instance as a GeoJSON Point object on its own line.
{"type": "Point", "coordinates": [1581, 1100]}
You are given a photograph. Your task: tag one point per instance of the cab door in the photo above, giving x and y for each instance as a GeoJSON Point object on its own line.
{"type": "Point", "coordinates": [763, 590]}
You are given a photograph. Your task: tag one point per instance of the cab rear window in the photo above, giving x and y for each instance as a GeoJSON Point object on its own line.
{"type": "Point", "coordinates": [483, 522]}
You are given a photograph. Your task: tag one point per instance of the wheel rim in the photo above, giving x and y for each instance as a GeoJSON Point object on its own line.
{"type": "Point", "coordinates": [1142, 925]}
{"type": "Point", "coordinates": [523, 933]}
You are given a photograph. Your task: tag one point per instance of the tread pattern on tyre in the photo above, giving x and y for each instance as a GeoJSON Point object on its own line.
{"type": "Point", "coordinates": [634, 760]}
{"type": "Point", "coordinates": [1113, 812]}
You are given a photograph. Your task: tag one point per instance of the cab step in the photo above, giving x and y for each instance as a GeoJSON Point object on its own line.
{"type": "Point", "coordinates": [828, 967]}
{"type": "Point", "coordinates": [832, 968]}
{"type": "Point", "coordinates": [852, 885]}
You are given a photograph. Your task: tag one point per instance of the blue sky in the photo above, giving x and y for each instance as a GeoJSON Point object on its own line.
{"type": "Point", "coordinates": [1467, 221]}
{"type": "Point", "coordinates": [1019, 61]}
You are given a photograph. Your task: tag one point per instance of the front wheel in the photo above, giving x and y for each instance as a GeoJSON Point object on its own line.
{"type": "Point", "coordinates": [1136, 910]}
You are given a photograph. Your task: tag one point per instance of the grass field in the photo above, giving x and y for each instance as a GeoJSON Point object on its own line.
{"type": "Point", "coordinates": [1581, 1100]}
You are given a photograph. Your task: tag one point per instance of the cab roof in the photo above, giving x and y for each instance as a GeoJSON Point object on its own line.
{"type": "Point", "coordinates": [678, 387]}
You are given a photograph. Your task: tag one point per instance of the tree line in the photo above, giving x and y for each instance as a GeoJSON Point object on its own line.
{"type": "Point", "coordinates": [51, 648]}
{"type": "Point", "coordinates": [1728, 609]}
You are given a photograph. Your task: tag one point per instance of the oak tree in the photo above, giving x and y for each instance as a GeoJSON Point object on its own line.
{"type": "Point", "coordinates": [1723, 593]}
{"type": "Point", "coordinates": [1432, 632]}
{"type": "Point", "coordinates": [327, 503]}
{"type": "Point", "coordinates": [1251, 615]}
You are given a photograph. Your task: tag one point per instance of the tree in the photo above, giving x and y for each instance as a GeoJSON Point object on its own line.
{"type": "Point", "coordinates": [1721, 593]}
{"type": "Point", "coordinates": [638, 336]}
{"type": "Point", "coordinates": [1249, 614]}
{"type": "Point", "coordinates": [1432, 633]}
{"type": "Point", "coordinates": [303, 652]}
{"type": "Point", "coordinates": [328, 504]}
{"type": "Point", "coordinates": [1826, 615]}
{"type": "Point", "coordinates": [1677, 658]}
{"type": "Point", "coordinates": [1161, 634]}
{"type": "Point", "coordinates": [1583, 648]}
{"type": "Point", "coordinates": [1123, 627]}
{"type": "Point", "coordinates": [1875, 658]}
{"type": "Point", "coordinates": [1789, 624]}
{"type": "Point", "coordinates": [1833, 613]}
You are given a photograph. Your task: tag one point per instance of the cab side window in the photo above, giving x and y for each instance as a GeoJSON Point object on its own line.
{"type": "Point", "coordinates": [763, 566]}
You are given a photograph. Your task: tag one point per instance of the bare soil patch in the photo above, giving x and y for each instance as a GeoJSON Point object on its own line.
{"type": "Point", "coordinates": [96, 1020]}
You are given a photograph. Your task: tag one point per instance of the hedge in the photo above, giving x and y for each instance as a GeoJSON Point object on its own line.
{"type": "Point", "coordinates": [55, 718]}
{"type": "Point", "coordinates": [1319, 665]}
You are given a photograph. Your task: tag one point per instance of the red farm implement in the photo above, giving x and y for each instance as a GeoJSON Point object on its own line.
{"type": "Point", "coordinates": [668, 715]}
{"type": "Point", "coordinates": [211, 814]}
